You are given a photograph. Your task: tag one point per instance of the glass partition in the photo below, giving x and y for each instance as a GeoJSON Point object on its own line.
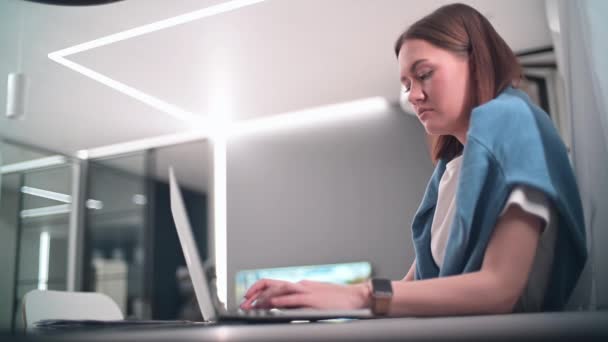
{"type": "Point", "coordinates": [116, 231]}
{"type": "Point", "coordinates": [44, 228]}
{"type": "Point", "coordinates": [118, 208]}
{"type": "Point", "coordinates": [131, 248]}
{"type": "Point", "coordinates": [35, 213]}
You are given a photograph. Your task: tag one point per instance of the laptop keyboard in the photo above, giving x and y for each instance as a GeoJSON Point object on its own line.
{"type": "Point", "coordinates": [259, 313]}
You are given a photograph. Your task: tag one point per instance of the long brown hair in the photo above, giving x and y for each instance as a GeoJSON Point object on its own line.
{"type": "Point", "coordinates": [493, 66]}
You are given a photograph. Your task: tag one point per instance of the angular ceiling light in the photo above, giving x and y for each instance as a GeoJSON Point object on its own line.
{"type": "Point", "coordinates": [163, 106]}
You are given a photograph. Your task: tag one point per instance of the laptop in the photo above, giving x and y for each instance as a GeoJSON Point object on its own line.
{"type": "Point", "coordinates": [204, 296]}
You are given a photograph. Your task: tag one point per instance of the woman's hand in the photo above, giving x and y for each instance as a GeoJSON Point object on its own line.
{"type": "Point", "coordinates": [268, 293]}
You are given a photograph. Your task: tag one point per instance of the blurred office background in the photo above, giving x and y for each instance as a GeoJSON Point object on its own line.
{"type": "Point", "coordinates": [285, 124]}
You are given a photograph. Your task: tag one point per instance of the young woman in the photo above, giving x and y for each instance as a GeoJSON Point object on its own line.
{"type": "Point", "coordinates": [500, 227]}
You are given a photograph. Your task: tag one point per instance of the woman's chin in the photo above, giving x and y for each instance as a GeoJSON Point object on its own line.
{"type": "Point", "coordinates": [432, 130]}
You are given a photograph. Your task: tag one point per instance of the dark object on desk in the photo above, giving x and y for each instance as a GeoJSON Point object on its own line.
{"type": "Point", "coordinates": [50, 325]}
{"type": "Point", "coordinates": [74, 2]}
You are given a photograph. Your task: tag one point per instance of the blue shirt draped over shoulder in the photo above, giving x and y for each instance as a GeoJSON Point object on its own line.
{"type": "Point", "coordinates": [510, 142]}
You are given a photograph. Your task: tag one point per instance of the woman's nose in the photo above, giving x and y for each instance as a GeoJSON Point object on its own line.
{"type": "Point", "coordinates": [416, 94]}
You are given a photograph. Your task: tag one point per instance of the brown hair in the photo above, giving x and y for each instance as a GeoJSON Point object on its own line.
{"type": "Point", "coordinates": [493, 66]}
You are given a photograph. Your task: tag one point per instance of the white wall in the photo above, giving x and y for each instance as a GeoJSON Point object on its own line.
{"type": "Point", "coordinates": [334, 193]}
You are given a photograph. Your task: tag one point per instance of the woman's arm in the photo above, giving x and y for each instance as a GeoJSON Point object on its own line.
{"type": "Point", "coordinates": [411, 274]}
{"type": "Point", "coordinates": [493, 289]}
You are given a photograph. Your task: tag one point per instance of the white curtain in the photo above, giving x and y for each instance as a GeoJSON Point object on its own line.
{"type": "Point", "coordinates": [1, 163]}
{"type": "Point", "coordinates": [579, 31]}
{"type": "Point", "coordinates": [1, 166]}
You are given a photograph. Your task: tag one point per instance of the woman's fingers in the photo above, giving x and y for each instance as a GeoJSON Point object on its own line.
{"type": "Point", "coordinates": [269, 294]}
{"type": "Point", "coordinates": [248, 304]}
{"type": "Point", "coordinates": [262, 291]}
{"type": "Point", "coordinates": [258, 286]}
{"type": "Point", "coordinates": [276, 290]}
{"type": "Point", "coordinates": [254, 291]}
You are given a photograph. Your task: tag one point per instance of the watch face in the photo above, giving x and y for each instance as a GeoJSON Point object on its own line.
{"type": "Point", "coordinates": [382, 286]}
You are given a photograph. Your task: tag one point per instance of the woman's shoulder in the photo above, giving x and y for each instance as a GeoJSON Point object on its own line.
{"type": "Point", "coordinates": [518, 135]}
{"type": "Point", "coordinates": [510, 106]}
{"type": "Point", "coordinates": [509, 118]}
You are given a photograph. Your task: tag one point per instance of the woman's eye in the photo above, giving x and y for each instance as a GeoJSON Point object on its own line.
{"type": "Point", "coordinates": [425, 76]}
{"type": "Point", "coordinates": [406, 88]}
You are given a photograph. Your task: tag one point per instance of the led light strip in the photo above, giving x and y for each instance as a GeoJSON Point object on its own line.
{"type": "Point", "coordinates": [33, 164]}
{"type": "Point", "coordinates": [43, 260]}
{"type": "Point", "coordinates": [353, 110]}
{"type": "Point", "coordinates": [142, 144]}
{"type": "Point", "coordinates": [163, 106]}
{"type": "Point", "coordinates": [45, 211]}
{"type": "Point", "coordinates": [158, 25]}
{"type": "Point", "coordinates": [150, 100]}
{"type": "Point", "coordinates": [220, 226]}
{"type": "Point", "coordinates": [57, 196]}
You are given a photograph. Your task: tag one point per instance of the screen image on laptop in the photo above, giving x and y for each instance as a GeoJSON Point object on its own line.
{"type": "Point", "coordinates": [342, 273]}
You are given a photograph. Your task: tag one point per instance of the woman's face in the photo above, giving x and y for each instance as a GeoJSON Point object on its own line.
{"type": "Point", "coordinates": [436, 83]}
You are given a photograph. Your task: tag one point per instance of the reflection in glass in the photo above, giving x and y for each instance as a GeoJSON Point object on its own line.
{"type": "Point", "coordinates": [44, 219]}
{"type": "Point", "coordinates": [116, 231]}
{"type": "Point", "coordinates": [129, 247]}
{"type": "Point", "coordinates": [35, 208]}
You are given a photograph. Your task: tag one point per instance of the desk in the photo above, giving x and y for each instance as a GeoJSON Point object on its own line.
{"type": "Point", "coordinates": [567, 326]}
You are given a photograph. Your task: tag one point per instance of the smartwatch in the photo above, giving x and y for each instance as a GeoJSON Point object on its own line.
{"type": "Point", "coordinates": [382, 293]}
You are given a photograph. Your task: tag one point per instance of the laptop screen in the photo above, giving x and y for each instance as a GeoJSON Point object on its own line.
{"type": "Point", "coordinates": [193, 260]}
{"type": "Point", "coordinates": [343, 273]}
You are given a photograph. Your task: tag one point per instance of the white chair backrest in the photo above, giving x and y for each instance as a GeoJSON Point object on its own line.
{"type": "Point", "coordinates": [40, 305]}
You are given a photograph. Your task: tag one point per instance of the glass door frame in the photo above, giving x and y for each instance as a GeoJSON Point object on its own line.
{"type": "Point", "coordinates": [75, 227]}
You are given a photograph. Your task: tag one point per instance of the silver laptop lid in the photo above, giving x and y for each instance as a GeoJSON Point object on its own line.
{"type": "Point", "coordinates": [193, 260]}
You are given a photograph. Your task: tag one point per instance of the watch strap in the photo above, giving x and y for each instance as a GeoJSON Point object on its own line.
{"type": "Point", "coordinates": [381, 297]}
{"type": "Point", "coordinates": [380, 306]}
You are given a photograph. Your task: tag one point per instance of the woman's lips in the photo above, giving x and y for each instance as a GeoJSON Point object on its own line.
{"type": "Point", "coordinates": [424, 113]}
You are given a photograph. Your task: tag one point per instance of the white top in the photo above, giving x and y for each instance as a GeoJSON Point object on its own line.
{"type": "Point", "coordinates": [530, 200]}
